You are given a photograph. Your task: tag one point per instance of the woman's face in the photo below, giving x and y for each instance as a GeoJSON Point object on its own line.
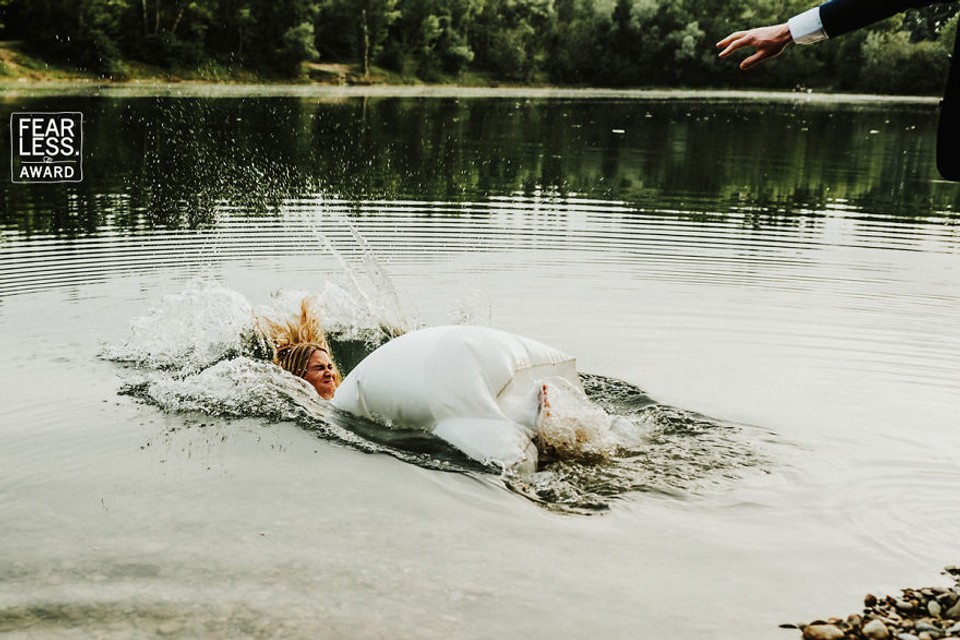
{"type": "Point", "coordinates": [320, 374]}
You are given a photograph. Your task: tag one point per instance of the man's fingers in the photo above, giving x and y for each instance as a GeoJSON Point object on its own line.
{"type": "Point", "coordinates": [769, 42]}
{"type": "Point", "coordinates": [730, 38]}
{"type": "Point", "coordinates": [758, 57]}
{"type": "Point", "coordinates": [733, 46]}
{"type": "Point", "coordinates": [752, 61]}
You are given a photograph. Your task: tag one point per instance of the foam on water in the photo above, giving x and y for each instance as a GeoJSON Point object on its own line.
{"type": "Point", "coordinates": [243, 387]}
{"type": "Point", "coordinates": [573, 427]}
{"type": "Point", "coordinates": [188, 331]}
{"type": "Point", "coordinates": [344, 315]}
{"type": "Point", "coordinates": [237, 387]}
{"type": "Point", "coordinates": [620, 441]}
{"type": "Point", "coordinates": [197, 352]}
{"type": "Point", "coordinates": [207, 322]}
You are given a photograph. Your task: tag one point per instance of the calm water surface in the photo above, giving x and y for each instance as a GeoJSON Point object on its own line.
{"type": "Point", "coordinates": [788, 267]}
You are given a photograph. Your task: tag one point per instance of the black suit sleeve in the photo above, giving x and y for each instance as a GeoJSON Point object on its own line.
{"type": "Point", "coordinates": [840, 16]}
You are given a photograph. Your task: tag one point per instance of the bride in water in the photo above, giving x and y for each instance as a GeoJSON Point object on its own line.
{"type": "Point", "coordinates": [498, 397]}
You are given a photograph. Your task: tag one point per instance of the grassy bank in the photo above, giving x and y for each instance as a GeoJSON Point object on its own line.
{"type": "Point", "coordinates": [19, 63]}
{"type": "Point", "coordinates": [15, 64]}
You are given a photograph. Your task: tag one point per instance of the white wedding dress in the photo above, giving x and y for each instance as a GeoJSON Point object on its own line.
{"type": "Point", "coordinates": [475, 387]}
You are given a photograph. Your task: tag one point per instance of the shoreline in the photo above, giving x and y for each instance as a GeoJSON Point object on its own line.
{"type": "Point", "coordinates": [198, 88]}
{"type": "Point", "coordinates": [928, 613]}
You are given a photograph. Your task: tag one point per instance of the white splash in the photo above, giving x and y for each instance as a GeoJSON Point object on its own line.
{"type": "Point", "coordinates": [208, 322]}
{"type": "Point", "coordinates": [188, 330]}
{"type": "Point", "coordinates": [238, 387]}
{"type": "Point", "coordinates": [571, 426]}
{"type": "Point", "coordinates": [343, 315]}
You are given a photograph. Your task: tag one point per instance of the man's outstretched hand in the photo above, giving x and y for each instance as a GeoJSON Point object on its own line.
{"type": "Point", "coordinates": [769, 42]}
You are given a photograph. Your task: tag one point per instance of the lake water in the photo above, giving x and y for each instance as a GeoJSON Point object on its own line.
{"type": "Point", "coordinates": [781, 274]}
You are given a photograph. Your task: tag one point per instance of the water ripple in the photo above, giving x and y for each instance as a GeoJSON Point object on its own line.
{"type": "Point", "coordinates": [603, 233]}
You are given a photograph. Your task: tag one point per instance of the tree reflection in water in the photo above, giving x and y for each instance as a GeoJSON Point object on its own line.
{"type": "Point", "coordinates": [173, 163]}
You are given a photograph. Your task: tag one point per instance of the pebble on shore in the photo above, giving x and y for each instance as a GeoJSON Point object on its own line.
{"type": "Point", "coordinates": [932, 613]}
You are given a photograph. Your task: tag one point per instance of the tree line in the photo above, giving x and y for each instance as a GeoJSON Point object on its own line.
{"type": "Point", "coordinates": [616, 43]}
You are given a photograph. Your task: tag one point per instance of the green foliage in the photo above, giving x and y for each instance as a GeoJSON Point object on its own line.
{"type": "Point", "coordinates": [441, 48]}
{"type": "Point", "coordinates": [577, 46]}
{"type": "Point", "coordinates": [296, 46]}
{"type": "Point", "coordinates": [513, 46]}
{"type": "Point", "coordinates": [337, 34]}
{"type": "Point", "coordinates": [948, 33]}
{"type": "Point", "coordinates": [686, 41]}
{"type": "Point", "coordinates": [633, 43]}
{"type": "Point", "coordinates": [928, 23]}
{"type": "Point", "coordinates": [376, 16]}
{"type": "Point", "coordinates": [166, 50]}
{"type": "Point", "coordinates": [895, 64]}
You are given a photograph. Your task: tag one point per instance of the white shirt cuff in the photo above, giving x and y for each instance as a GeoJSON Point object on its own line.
{"type": "Point", "coordinates": [806, 28]}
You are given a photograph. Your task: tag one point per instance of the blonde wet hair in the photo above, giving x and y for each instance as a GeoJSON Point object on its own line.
{"type": "Point", "coordinates": [295, 340]}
